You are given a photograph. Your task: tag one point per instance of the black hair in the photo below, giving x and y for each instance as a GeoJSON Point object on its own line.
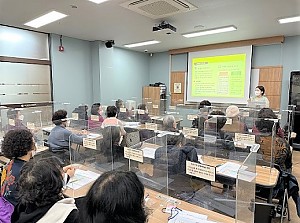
{"type": "Point", "coordinates": [115, 197]}
{"type": "Point", "coordinates": [40, 183]}
{"type": "Point", "coordinates": [261, 88]}
{"type": "Point", "coordinates": [119, 102]}
{"type": "Point", "coordinates": [263, 125]}
{"type": "Point", "coordinates": [12, 113]}
{"type": "Point", "coordinates": [95, 108]}
{"type": "Point", "coordinates": [111, 111]}
{"type": "Point", "coordinates": [17, 143]}
{"type": "Point", "coordinates": [58, 116]}
{"type": "Point", "coordinates": [204, 103]}
{"type": "Point", "coordinates": [142, 106]}
{"type": "Point", "coordinates": [221, 119]}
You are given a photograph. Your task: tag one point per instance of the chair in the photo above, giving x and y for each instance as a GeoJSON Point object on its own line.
{"type": "Point", "coordinates": [264, 212]}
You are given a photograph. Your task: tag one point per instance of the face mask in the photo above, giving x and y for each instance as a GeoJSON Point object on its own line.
{"type": "Point", "coordinates": [21, 117]}
{"type": "Point", "coordinates": [257, 93]}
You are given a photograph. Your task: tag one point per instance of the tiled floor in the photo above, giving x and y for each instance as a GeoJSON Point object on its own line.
{"type": "Point", "coordinates": [296, 173]}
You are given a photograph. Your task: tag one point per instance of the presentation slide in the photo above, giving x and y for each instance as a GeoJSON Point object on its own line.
{"type": "Point", "coordinates": [221, 76]}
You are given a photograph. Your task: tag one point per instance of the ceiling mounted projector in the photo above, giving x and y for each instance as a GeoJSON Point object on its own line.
{"type": "Point", "coordinates": [165, 27]}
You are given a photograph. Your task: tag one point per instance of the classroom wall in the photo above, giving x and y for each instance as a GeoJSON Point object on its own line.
{"type": "Point", "coordinates": [123, 73]}
{"type": "Point", "coordinates": [159, 67]}
{"type": "Point", "coordinates": [71, 71]}
{"type": "Point", "coordinates": [286, 54]}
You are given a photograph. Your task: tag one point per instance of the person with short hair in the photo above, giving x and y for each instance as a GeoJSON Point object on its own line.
{"type": "Point", "coordinates": [235, 126]}
{"type": "Point", "coordinates": [59, 137]}
{"type": "Point", "coordinates": [40, 194]}
{"type": "Point", "coordinates": [259, 100]}
{"type": "Point", "coordinates": [204, 104]}
{"type": "Point", "coordinates": [142, 114]}
{"type": "Point", "coordinates": [169, 123]}
{"type": "Point", "coordinates": [116, 196]}
{"type": "Point", "coordinates": [18, 145]}
{"type": "Point", "coordinates": [96, 110]}
{"type": "Point", "coordinates": [14, 120]}
{"type": "Point", "coordinates": [111, 119]}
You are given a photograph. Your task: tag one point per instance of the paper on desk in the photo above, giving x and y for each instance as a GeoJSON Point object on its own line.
{"type": "Point", "coordinates": [230, 169]}
{"type": "Point", "coordinates": [82, 178]}
{"type": "Point", "coordinates": [182, 216]}
{"type": "Point", "coordinates": [93, 135]}
{"type": "Point", "coordinates": [149, 152]}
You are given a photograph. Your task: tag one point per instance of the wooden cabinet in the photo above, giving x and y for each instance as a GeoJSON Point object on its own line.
{"type": "Point", "coordinates": [152, 98]}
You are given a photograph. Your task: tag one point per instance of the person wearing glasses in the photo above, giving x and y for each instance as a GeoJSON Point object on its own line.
{"type": "Point", "coordinates": [116, 196]}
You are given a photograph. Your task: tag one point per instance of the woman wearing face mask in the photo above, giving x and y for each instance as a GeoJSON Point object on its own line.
{"type": "Point", "coordinates": [19, 146]}
{"type": "Point", "coordinates": [260, 100]}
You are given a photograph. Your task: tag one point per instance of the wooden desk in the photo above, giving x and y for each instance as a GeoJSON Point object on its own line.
{"type": "Point", "coordinates": [266, 176]}
{"type": "Point", "coordinates": [155, 204]}
{"type": "Point", "coordinates": [157, 216]}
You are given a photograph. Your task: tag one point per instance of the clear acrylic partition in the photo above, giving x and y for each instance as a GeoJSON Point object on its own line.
{"type": "Point", "coordinates": [245, 188]}
{"type": "Point", "coordinates": [4, 120]}
{"type": "Point", "coordinates": [149, 160]}
{"type": "Point", "coordinates": [79, 117]}
{"type": "Point", "coordinates": [267, 135]}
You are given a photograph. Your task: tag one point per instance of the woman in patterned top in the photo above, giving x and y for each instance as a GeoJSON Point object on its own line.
{"type": "Point", "coordinates": [19, 146]}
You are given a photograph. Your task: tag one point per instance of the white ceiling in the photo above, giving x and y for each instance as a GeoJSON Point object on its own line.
{"type": "Point", "coordinates": [110, 21]}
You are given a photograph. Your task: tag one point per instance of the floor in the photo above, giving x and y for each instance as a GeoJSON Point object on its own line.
{"type": "Point", "coordinates": [296, 173]}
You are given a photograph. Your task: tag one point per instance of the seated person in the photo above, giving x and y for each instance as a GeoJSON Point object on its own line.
{"type": "Point", "coordinates": [116, 196]}
{"type": "Point", "coordinates": [19, 146]}
{"type": "Point", "coordinates": [96, 111]}
{"type": "Point", "coordinates": [59, 137]}
{"type": "Point", "coordinates": [82, 121]}
{"type": "Point", "coordinates": [142, 114]}
{"type": "Point", "coordinates": [110, 145]}
{"type": "Point", "coordinates": [232, 112]}
{"type": "Point", "coordinates": [176, 156]}
{"type": "Point", "coordinates": [121, 115]}
{"type": "Point", "coordinates": [169, 124]}
{"type": "Point", "coordinates": [14, 120]}
{"type": "Point", "coordinates": [40, 194]}
{"type": "Point", "coordinates": [215, 141]}
{"type": "Point", "coordinates": [111, 119]}
{"type": "Point", "coordinates": [281, 154]}
{"type": "Point", "coordinates": [203, 104]}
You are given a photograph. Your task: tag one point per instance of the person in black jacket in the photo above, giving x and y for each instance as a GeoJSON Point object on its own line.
{"type": "Point", "coordinates": [40, 194]}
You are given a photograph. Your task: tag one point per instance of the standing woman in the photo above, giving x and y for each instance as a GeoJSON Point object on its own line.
{"type": "Point", "coordinates": [260, 99]}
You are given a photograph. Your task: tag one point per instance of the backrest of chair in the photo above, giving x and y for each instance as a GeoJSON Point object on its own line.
{"type": "Point", "coordinates": [263, 212]}
{"type": "Point", "coordinates": [132, 138]}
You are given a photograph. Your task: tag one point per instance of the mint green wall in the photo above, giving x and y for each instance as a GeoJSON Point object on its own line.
{"type": "Point", "coordinates": [71, 71]}
{"type": "Point", "coordinates": [159, 68]}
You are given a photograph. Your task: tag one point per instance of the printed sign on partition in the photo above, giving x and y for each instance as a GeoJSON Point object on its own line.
{"type": "Point", "coordinates": [90, 143]}
{"type": "Point", "coordinates": [244, 138]}
{"type": "Point", "coordinates": [228, 121]}
{"type": "Point", "coordinates": [202, 171]}
{"type": "Point", "coordinates": [141, 111]}
{"type": "Point", "coordinates": [171, 107]}
{"type": "Point", "coordinates": [190, 131]}
{"type": "Point", "coordinates": [30, 125]}
{"type": "Point", "coordinates": [191, 117]}
{"type": "Point", "coordinates": [11, 122]}
{"type": "Point", "coordinates": [75, 116]}
{"type": "Point", "coordinates": [245, 114]}
{"type": "Point", "coordinates": [95, 118]}
{"type": "Point", "coordinates": [155, 106]}
{"type": "Point", "coordinates": [134, 154]}
{"type": "Point", "coordinates": [151, 126]}
{"type": "Point", "coordinates": [122, 109]}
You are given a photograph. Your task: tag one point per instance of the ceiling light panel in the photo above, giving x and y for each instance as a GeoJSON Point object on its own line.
{"type": "Point", "coordinates": [45, 19]}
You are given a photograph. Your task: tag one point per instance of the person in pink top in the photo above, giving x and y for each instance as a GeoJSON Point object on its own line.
{"type": "Point", "coordinates": [111, 119]}
{"type": "Point", "coordinates": [96, 118]}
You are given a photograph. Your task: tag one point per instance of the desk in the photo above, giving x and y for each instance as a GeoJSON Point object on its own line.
{"type": "Point", "coordinates": [266, 177]}
{"type": "Point", "coordinates": [154, 204]}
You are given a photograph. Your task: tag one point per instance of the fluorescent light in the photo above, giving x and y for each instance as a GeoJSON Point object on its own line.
{"type": "Point", "coordinates": [45, 19]}
{"type": "Point", "coordinates": [289, 20]}
{"type": "Point", "coordinates": [211, 31]}
{"type": "Point", "coordinates": [142, 43]}
{"type": "Point", "coordinates": [98, 1]}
